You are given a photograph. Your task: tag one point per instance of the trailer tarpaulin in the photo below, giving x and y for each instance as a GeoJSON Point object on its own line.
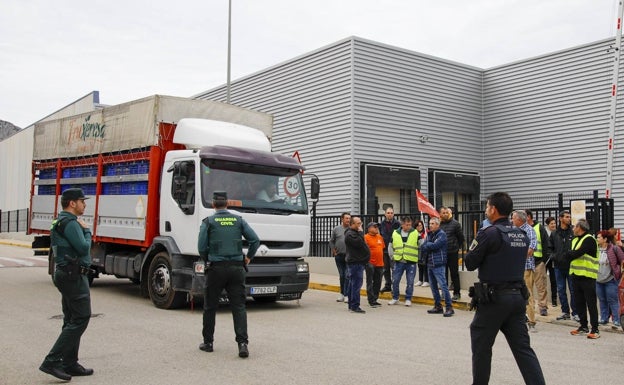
{"type": "Point", "coordinates": [131, 125]}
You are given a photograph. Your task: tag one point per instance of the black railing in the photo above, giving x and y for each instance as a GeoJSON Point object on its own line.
{"type": "Point", "coordinates": [13, 221]}
{"type": "Point", "coordinates": [599, 213]}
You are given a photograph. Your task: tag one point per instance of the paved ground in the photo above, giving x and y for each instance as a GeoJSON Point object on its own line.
{"type": "Point", "coordinates": [326, 282]}
{"type": "Point", "coordinates": [316, 341]}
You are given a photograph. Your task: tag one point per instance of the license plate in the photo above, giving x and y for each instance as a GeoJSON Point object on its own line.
{"type": "Point", "coordinates": [263, 290]}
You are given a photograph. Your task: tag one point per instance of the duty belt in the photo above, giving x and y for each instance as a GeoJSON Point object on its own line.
{"type": "Point", "coordinates": [227, 263]}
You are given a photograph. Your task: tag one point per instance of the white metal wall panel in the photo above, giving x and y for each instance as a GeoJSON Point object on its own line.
{"type": "Point", "coordinates": [546, 124]}
{"type": "Point", "coordinates": [310, 100]}
{"type": "Point", "coordinates": [15, 170]}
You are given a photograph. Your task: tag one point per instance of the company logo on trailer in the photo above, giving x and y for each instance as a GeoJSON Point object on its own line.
{"type": "Point", "coordinates": [87, 130]}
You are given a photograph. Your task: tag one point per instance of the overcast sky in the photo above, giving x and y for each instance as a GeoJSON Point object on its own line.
{"type": "Point", "coordinates": [56, 51]}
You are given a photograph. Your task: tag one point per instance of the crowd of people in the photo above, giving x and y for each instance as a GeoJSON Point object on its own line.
{"type": "Point", "coordinates": [559, 258]}
{"type": "Point", "coordinates": [392, 249]}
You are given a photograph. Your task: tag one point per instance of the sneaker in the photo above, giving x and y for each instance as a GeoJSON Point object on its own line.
{"type": "Point", "coordinates": [616, 325]}
{"type": "Point", "coordinates": [554, 303]}
{"type": "Point", "coordinates": [243, 351]}
{"type": "Point", "coordinates": [206, 347]}
{"type": "Point", "coordinates": [449, 312]}
{"type": "Point", "coordinates": [564, 316]}
{"type": "Point", "coordinates": [385, 289]}
{"type": "Point", "coordinates": [594, 335]}
{"type": "Point", "coordinates": [358, 310]}
{"type": "Point", "coordinates": [425, 284]}
{"type": "Point", "coordinates": [576, 318]}
{"type": "Point", "coordinates": [456, 297]}
{"type": "Point", "coordinates": [374, 304]}
{"type": "Point", "coordinates": [408, 303]}
{"type": "Point", "coordinates": [419, 283]}
{"type": "Point", "coordinates": [579, 331]}
{"type": "Point", "coordinates": [543, 312]}
{"type": "Point", "coordinates": [340, 298]}
{"type": "Point", "coordinates": [393, 302]}
{"type": "Point", "coordinates": [603, 322]}
{"type": "Point", "coordinates": [531, 327]}
{"type": "Point", "coordinates": [435, 310]}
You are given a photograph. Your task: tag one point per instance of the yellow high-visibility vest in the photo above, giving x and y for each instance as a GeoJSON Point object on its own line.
{"type": "Point", "coordinates": [586, 265]}
{"type": "Point", "coordinates": [407, 251]}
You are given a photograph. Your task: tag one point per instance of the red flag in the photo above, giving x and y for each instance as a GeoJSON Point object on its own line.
{"type": "Point", "coordinates": [424, 206]}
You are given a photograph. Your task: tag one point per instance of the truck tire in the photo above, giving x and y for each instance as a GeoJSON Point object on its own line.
{"type": "Point", "coordinates": [160, 284]}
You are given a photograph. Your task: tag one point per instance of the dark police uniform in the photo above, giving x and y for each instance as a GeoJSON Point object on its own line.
{"type": "Point", "coordinates": [220, 244]}
{"type": "Point", "coordinates": [499, 252]}
{"type": "Point", "coordinates": [71, 245]}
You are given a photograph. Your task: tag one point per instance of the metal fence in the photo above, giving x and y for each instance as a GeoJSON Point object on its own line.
{"type": "Point", "coordinates": [13, 221]}
{"type": "Point", "coordinates": [599, 213]}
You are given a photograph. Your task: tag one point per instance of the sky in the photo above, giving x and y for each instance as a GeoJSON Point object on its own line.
{"type": "Point", "coordinates": [54, 52]}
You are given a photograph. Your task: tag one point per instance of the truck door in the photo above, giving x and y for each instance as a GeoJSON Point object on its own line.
{"type": "Point", "coordinates": [181, 216]}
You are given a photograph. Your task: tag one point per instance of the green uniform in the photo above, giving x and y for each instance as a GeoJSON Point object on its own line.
{"type": "Point", "coordinates": [220, 243]}
{"type": "Point", "coordinates": [70, 242]}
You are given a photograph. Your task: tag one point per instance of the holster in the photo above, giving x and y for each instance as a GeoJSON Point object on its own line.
{"type": "Point", "coordinates": [483, 293]}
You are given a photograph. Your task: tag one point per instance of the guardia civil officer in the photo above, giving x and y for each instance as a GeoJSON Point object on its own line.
{"type": "Point", "coordinates": [220, 246]}
{"type": "Point", "coordinates": [71, 244]}
{"type": "Point", "coordinates": [499, 252]}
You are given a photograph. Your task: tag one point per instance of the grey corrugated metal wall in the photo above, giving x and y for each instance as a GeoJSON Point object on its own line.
{"type": "Point", "coordinates": [546, 124]}
{"type": "Point", "coordinates": [311, 102]}
{"type": "Point", "coordinates": [360, 101]}
{"type": "Point", "coordinates": [400, 95]}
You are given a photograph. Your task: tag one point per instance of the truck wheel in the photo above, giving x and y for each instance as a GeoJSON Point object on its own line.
{"type": "Point", "coordinates": [160, 284]}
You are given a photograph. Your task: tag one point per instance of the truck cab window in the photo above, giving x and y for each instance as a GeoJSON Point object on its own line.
{"type": "Point", "coordinates": [183, 186]}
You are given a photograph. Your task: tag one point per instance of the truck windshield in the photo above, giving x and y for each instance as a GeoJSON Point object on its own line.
{"type": "Point", "coordinates": [255, 192]}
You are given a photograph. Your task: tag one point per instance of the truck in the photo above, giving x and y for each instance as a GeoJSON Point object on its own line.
{"type": "Point", "coordinates": [150, 167]}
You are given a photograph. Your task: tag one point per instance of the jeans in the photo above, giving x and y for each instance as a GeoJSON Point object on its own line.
{"type": "Point", "coordinates": [373, 282]}
{"type": "Point", "coordinates": [410, 274]}
{"type": "Point", "coordinates": [437, 278]}
{"type": "Point", "coordinates": [563, 278]}
{"type": "Point", "coordinates": [356, 276]}
{"type": "Point", "coordinates": [342, 272]}
{"type": "Point", "coordinates": [609, 302]}
{"type": "Point", "coordinates": [423, 275]}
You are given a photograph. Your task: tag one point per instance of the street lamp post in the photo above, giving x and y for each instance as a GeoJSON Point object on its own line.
{"type": "Point", "coordinates": [229, 53]}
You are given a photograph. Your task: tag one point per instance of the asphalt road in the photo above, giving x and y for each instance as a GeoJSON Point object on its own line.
{"type": "Point", "coordinates": [317, 341]}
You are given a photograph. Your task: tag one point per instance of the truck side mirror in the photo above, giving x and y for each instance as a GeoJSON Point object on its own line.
{"type": "Point", "coordinates": [315, 187]}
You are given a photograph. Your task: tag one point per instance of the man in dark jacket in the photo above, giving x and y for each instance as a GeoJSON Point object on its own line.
{"type": "Point", "coordinates": [386, 228]}
{"type": "Point", "coordinates": [560, 243]}
{"type": "Point", "coordinates": [71, 247]}
{"type": "Point", "coordinates": [455, 241]}
{"type": "Point", "coordinates": [358, 255]}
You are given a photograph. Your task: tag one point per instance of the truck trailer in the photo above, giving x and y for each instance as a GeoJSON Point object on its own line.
{"type": "Point", "coordinates": [150, 167]}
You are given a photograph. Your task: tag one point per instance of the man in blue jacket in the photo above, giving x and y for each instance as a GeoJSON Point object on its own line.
{"type": "Point", "coordinates": [434, 250]}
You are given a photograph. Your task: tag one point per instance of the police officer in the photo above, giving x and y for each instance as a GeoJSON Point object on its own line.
{"type": "Point", "coordinates": [71, 244]}
{"type": "Point", "coordinates": [220, 246]}
{"type": "Point", "coordinates": [499, 252]}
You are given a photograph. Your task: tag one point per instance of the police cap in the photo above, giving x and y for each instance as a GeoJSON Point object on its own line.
{"type": "Point", "coordinates": [219, 195]}
{"type": "Point", "coordinates": [73, 194]}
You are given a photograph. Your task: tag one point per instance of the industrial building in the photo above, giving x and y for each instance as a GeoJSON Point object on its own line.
{"type": "Point", "coordinates": [375, 122]}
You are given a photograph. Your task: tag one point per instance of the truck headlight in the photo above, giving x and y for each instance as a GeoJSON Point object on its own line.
{"type": "Point", "coordinates": [303, 267]}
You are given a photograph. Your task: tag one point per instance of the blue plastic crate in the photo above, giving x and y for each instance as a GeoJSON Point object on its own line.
{"type": "Point", "coordinates": [67, 173]}
{"type": "Point", "coordinates": [143, 167]}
